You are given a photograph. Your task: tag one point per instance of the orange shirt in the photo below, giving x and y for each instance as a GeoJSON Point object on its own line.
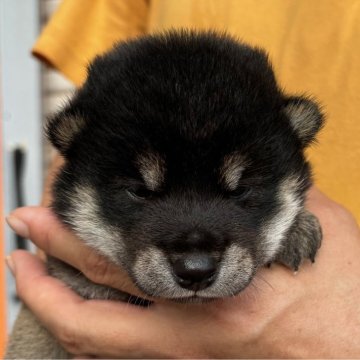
{"type": "Point", "coordinates": [314, 46]}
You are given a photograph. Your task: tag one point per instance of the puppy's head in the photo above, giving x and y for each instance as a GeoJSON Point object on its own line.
{"type": "Point", "coordinates": [184, 162]}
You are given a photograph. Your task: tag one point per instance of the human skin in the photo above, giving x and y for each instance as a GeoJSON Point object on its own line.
{"type": "Point", "coordinates": [315, 313]}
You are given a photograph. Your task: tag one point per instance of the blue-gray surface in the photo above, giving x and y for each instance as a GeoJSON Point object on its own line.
{"type": "Point", "coordinates": [21, 110]}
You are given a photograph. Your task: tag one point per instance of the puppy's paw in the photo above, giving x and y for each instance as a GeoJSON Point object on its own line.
{"type": "Point", "coordinates": [303, 241]}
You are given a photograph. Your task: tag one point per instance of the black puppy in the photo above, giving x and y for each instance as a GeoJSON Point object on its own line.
{"type": "Point", "coordinates": [185, 165]}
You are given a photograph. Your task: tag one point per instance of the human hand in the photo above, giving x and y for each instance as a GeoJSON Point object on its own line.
{"type": "Point", "coordinates": [49, 235]}
{"type": "Point", "coordinates": [312, 314]}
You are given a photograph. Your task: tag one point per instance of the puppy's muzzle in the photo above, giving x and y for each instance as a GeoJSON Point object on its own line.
{"type": "Point", "coordinates": [195, 271]}
{"type": "Point", "coordinates": [195, 267]}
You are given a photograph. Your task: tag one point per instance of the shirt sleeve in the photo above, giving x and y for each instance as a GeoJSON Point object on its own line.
{"type": "Point", "coordinates": [79, 30]}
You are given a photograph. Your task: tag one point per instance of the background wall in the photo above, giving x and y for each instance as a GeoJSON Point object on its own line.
{"type": "Point", "coordinates": [20, 112]}
{"type": "Point", "coordinates": [55, 88]}
{"type": "Point", "coordinates": [2, 267]}
{"type": "Point", "coordinates": [29, 92]}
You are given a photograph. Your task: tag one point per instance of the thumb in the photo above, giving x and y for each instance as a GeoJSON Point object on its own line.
{"type": "Point", "coordinates": [49, 234]}
{"type": "Point", "coordinates": [38, 224]}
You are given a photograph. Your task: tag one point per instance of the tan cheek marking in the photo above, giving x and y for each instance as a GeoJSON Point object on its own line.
{"type": "Point", "coordinates": [275, 230]}
{"type": "Point", "coordinates": [88, 225]}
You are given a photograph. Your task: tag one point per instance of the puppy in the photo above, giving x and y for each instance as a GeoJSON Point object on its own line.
{"type": "Point", "coordinates": [184, 165]}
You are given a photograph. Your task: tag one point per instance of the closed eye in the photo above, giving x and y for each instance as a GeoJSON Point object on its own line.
{"type": "Point", "coordinates": [134, 188]}
{"type": "Point", "coordinates": [140, 193]}
{"type": "Point", "coordinates": [241, 192]}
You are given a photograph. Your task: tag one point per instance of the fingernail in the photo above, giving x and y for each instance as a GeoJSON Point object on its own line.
{"type": "Point", "coordinates": [18, 226]}
{"type": "Point", "coordinates": [10, 264]}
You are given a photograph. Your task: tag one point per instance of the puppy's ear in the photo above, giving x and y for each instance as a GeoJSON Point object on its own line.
{"type": "Point", "coordinates": [305, 117]}
{"type": "Point", "coordinates": [62, 129]}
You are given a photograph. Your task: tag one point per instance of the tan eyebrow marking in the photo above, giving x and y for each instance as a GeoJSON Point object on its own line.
{"type": "Point", "coordinates": [152, 169]}
{"type": "Point", "coordinates": [231, 170]}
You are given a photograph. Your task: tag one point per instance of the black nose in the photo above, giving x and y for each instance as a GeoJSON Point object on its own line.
{"type": "Point", "coordinates": [195, 271]}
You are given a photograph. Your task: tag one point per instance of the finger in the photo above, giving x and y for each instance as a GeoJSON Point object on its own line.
{"type": "Point", "coordinates": [126, 330]}
{"type": "Point", "coordinates": [315, 195]}
{"type": "Point", "coordinates": [318, 201]}
{"type": "Point", "coordinates": [49, 234]}
{"type": "Point", "coordinates": [329, 212]}
{"type": "Point", "coordinates": [42, 227]}
{"type": "Point", "coordinates": [34, 285]}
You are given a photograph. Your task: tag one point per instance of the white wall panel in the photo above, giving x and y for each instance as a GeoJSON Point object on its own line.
{"type": "Point", "coordinates": [21, 108]}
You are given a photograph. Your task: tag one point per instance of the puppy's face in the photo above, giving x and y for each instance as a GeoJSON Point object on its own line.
{"type": "Point", "coordinates": [184, 163]}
